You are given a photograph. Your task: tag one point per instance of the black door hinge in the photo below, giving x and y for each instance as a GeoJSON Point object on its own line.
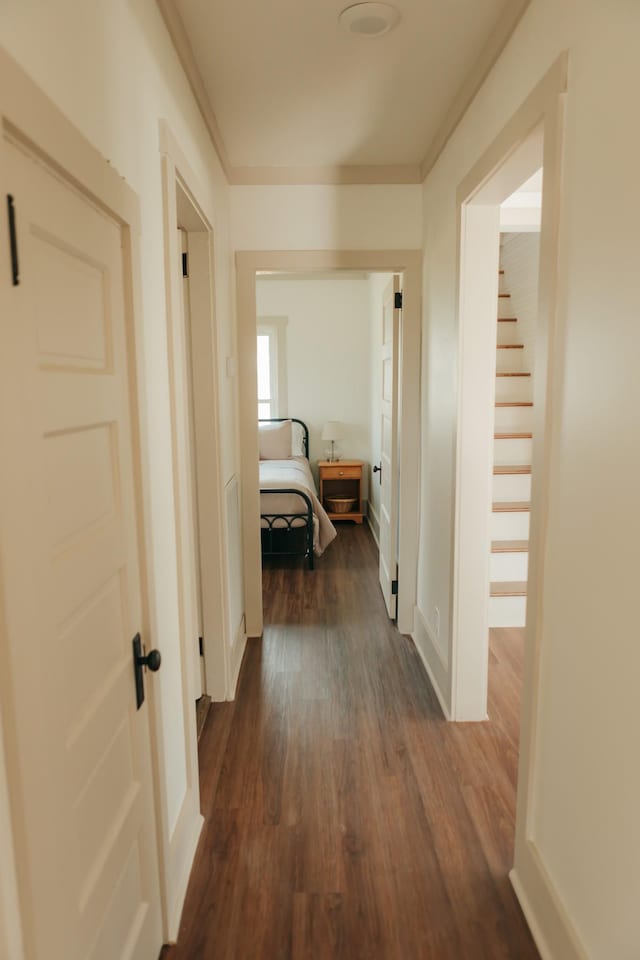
{"type": "Point", "coordinates": [185, 264]}
{"type": "Point", "coordinates": [13, 241]}
{"type": "Point", "coordinates": [397, 300]}
{"type": "Point", "coordinates": [201, 646]}
{"type": "Point", "coordinates": [394, 588]}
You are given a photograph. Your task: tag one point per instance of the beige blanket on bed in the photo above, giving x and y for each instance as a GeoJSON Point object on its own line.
{"type": "Point", "coordinates": [296, 474]}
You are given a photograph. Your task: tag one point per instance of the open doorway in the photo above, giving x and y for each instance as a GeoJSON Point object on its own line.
{"type": "Point", "coordinates": [405, 263]}
{"type": "Point", "coordinates": [517, 307]}
{"type": "Point", "coordinates": [495, 447]}
{"type": "Point", "coordinates": [197, 472]}
{"type": "Point", "coordinates": [327, 355]}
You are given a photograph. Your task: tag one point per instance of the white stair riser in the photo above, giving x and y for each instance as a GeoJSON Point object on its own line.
{"type": "Point", "coordinates": [508, 566]}
{"type": "Point", "coordinates": [507, 611]}
{"type": "Point", "coordinates": [513, 388]}
{"type": "Point", "coordinates": [510, 526]}
{"type": "Point", "coordinates": [512, 486]}
{"type": "Point", "coordinates": [505, 307]}
{"type": "Point", "coordinates": [508, 332]}
{"type": "Point", "coordinates": [509, 361]}
{"type": "Point", "coordinates": [513, 419]}
{"type": "Point", "coordinates": [512, 451]}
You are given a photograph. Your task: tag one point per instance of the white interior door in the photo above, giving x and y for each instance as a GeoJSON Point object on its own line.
{"type": "Point", "coordinates": [389, 446]}
{"type": "Point", "coordinates": [78, 749]}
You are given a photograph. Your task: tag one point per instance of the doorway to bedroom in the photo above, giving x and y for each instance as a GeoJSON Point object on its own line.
{"type": "Point", "coordinates": [319, 340]}
{"type": "Point", "coordinates": [326, 343]}
{"type": "Point", "coordinates": [327, 356]}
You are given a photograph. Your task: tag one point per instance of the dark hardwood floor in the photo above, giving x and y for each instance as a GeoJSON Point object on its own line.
{"type": "Point", "coordinates": [345, 819]}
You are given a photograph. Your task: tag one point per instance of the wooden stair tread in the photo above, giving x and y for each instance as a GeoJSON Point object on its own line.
{"type": "Point", "coordinates": [514, 403]}
{"type": "Point", "coordinates": [511, 506]}
{"type": "Point", "coordinates": [510, 346]}
{"type": "Point", "coordinates": [509, 546]}
{"type": "Point", "coordinates": [513, 436]}
{"type": "Point", "coordinates": [505, 469]}
{"type": "Point", "coordinates": [508, 588]}
{"type": "Point", "coordinates": [504, 295]}
{"type": "Point", "coordinates": [507, 319]}
{"type": "Point", "coordinates": [513, 374]}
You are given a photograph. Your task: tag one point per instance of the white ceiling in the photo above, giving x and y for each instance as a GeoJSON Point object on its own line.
{"type": "Point", "coordinates": [290, 88]}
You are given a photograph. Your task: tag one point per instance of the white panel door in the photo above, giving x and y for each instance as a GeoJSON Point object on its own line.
{"type": "Point", "coordinates": [389, 446]}
{"type": "Point", "coordinates": [78, 747]}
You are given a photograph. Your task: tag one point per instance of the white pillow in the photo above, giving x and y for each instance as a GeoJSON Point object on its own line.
{"type": "Point", "coordinates": [275, 440]}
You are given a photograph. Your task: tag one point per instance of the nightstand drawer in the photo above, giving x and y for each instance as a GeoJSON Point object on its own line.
{"type": "Point", "coordinates": [340, 473]}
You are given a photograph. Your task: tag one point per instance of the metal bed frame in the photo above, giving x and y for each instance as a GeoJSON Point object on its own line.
{"type": "Point", "coordinates": [271, 535]}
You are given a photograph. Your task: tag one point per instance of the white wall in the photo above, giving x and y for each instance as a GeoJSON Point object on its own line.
{"type": "Point", "coordinates": [520, 259]}
{"type": "Point", "coordinates": [328, 343]}
{"type": "Point", "coordinates": [110, 67]}
{"type": "Point", "coordinates": [327, 218]}
{"type": "Point", "coordinates": [584, 827]}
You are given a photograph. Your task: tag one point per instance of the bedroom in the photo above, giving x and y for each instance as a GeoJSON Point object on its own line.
{"type": "Point", "coordinates": [319, 358]}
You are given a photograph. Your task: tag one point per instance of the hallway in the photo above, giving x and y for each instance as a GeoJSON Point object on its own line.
{"type": "Point", "coordinates": [344, 817]}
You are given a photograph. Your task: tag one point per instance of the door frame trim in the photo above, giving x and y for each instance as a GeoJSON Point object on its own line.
{"type": "Point", "coordinates": [406, 262]}
{"type": "Point", "coordinates": [27, 115]}
{"type": "Point", "coordinates": [543, 110]}
{"type": "Point", "coordinates": [177, 175]}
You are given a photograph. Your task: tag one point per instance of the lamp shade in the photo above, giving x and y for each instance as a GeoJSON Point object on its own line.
{"type": "Point", "coordinates": [332, 430]}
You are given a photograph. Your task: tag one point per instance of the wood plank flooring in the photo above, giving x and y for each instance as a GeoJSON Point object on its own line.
{"type": "Point", "coordinates": [345, 819]}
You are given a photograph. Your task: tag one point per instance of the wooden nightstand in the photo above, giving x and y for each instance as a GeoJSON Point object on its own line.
{"type": "Point", "coordinates": [341, 478]}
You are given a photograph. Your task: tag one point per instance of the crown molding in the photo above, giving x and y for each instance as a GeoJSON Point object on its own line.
{"type": "Point", "coordinates": [498, 40]}
{"type": "Point", "coordinates": [184, 50]}
{"type": "Point", "coordinates": [341, 174]}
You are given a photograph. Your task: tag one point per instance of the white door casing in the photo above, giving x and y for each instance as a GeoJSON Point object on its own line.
{"type": "Point", "coordinates": [389, 446]}
{"type": "Point", "coordinates": [78, 749]}
{"type": "Point", "coordinates": [198, 660]}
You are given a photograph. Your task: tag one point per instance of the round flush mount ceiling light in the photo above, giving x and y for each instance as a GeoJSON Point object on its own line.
{"type": "Point", "coordinates": [369, 19]}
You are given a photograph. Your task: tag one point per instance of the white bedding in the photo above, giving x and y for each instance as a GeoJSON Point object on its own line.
{"type": "Point", "coordinates": [296, 474]}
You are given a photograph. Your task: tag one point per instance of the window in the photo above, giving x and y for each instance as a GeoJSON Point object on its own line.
{"type": "Point", "coordinates": [272, 368]}
{"type": "Point", "coordinates": [267, 396]}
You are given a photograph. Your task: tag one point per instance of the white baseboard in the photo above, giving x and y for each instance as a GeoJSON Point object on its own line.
{"type": "Point", "coordinates": [182, 882]}
{"type": "Point", "coordinates": [235, 658]}
{"type": "Point", "coordinates": [374, 523]}
{"type": "Point", "coordinates": [547, 917]}
{"type": "Point", "coordinates": [431, 659]}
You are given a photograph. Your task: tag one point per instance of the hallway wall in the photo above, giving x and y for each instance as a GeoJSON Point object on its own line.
{"type": "Point", "coordinates": [583, 838]}
{"type": "Point", "coordinates": [327, 217]}
{"type": "Point", "coordinates": [110, 67]}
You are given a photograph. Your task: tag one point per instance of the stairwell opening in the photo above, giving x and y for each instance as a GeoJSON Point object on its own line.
{"type": "Point", "coordinates": [499, 254]}
{"type": "Point", "coordinates": [515, 340]}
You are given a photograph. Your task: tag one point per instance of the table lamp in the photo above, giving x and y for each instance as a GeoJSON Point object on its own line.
{"type": "Point", "coordinates": [332, 431]}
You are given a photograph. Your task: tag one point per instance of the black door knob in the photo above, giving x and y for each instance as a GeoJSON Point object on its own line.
{"type": "Point", "coordinates": [152, 660]}
{"type": "Point", "coordinates": [377, 469]}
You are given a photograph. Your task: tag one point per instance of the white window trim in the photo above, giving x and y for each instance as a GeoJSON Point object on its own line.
{"type": "Point", "coordinates": [276, 329]}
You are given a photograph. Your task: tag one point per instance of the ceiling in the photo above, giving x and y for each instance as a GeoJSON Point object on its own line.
{"type": "Point", "coordinates": [289, 94]}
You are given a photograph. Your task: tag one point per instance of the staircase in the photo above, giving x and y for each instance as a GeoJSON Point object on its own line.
{"type": "Point", "coordinates": [511, 474]}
